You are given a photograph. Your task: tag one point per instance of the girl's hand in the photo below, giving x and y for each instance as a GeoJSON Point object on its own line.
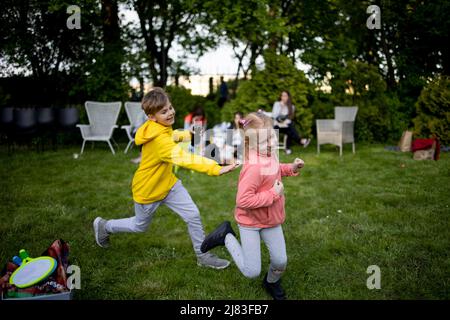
{"type": "Point", "coordinates": [229, 168]}
{"type": "Point", "coordinates": [298, 164]}
{"type": "Point", "coordinates": [278, 187]}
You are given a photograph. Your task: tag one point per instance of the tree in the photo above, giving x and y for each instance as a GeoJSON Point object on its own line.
{"type": "Point", "coordinates": [113, 51]}
{"type": "Point", "coordinates": [106, 80]}
{"type": "Point", "coordinates": [164, 23]}
{"type": "Point", "coordinates": [34, 38]}
{"type": "Point", "coordinates": [250, 26]}
{"type": "Point", "coordinates": [410, 46]}
{"type": "Point", "coordinates": [433, 110]}
{"type": "Point", "coordinates": [85, 63]}
{"type": "Point", "coordinates": [265, 87]}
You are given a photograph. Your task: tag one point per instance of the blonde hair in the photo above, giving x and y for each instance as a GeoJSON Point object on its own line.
{"type": "Point", "coordinates": [254, 121]}
{"type": "Point", "coordinates": [257, 120]}
{"type": "Point", "coordinates": [154, 100]}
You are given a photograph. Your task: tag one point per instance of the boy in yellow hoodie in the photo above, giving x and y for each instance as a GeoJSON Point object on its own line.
{"type": "Point", "coordinates": [154, 182]}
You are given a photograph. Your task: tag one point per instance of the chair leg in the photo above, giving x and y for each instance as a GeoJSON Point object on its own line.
{"type": "Point", "coordinates": [111, 147]}
{"type": "Point", "coordinates": [353, 145]}
{"type": "Point", "coordinates": [82, 147]}
{"type": "Point", "coordinates": [114, 141]}
{"type": "Point", "coordinates": [318, 148]}
{"type": "Point", "coordinates": [129, 145]}
{"type": "Point", "coordinates": [340, 150]}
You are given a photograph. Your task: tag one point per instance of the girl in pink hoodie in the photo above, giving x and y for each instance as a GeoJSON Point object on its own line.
{"type": "Point", "coordinates": [259, 206]}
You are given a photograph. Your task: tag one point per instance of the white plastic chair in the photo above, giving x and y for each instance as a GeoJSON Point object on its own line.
{"type": "Point", "coordinates": [102, 122]}
{"type": "Point", "coordinates": [282, 144]}
{"type": "Point", "coordinates": [135, 114]}
{"type": "Point", "coordinates": [339, 130]}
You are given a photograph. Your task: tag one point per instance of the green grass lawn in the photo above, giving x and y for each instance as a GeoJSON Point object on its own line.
{"type": "Point", "coordinates": [343, 215]}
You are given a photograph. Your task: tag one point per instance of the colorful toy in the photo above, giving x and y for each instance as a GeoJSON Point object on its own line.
{"type": "Point", "coordinates": [17, 260]}
{"type": "Point", "coordinates": [32, 271]}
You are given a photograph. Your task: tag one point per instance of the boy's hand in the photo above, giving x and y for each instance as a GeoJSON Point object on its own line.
{"type": "Point", "coordinates": [278, 187]}
{"type": "Point", "coordinates": [229, 168]}
{"type": "Point", "coordinates": [298, 164]}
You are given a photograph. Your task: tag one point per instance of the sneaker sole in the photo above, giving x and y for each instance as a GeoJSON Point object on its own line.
{"type": "Point", "coordinates": [96, 222]}
{"type": "Point", "coordinates": [213, 267]}
{"type": "Point", "coordinates": [306, 144]}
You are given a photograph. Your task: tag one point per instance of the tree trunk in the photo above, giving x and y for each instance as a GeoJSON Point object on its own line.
{"type": "Point", "coordinates": [254, 53]}
{"type": "Point", "coordinates": [240, 57]}
{"type": "Point", "coordinates": [157, 56]}
{"type": "Point", "coordinates": [110, 17]}
{"type": "Point", "coordinates": [273, 41]}
{"type": "Point", "coordinates": [112, 44]}
{"type": "Point", "coordinates": [390, 76]}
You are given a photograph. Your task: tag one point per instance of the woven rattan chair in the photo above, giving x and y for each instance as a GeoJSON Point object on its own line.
{"type": "Point", "coordinates": [339, 130]}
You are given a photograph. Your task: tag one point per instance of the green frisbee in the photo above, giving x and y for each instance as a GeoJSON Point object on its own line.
{"type": "Point", "coordinates": [33, 271]}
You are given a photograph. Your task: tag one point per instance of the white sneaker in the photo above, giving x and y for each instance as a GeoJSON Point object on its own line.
{"type": "Point", "coordinates": [212, 261]}
{"type": "Point", "coordinates": [306, 143]}
{"type": "Point", "coordinates": [101, 235]}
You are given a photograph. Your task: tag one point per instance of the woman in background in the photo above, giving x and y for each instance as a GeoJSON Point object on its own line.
{"type": "Point", "coordinates": [283, 113]}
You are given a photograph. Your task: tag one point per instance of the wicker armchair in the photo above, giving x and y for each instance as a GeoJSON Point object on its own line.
{"type": "Point", "coordinates": [339, 130]}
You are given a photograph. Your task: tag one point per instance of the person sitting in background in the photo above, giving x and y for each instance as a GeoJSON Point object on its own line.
{"type": "Point", "coordinates": [234, 136]}
{"type": "Point", "coordinates": [283, 113]}
{"type": "Point", "coordinates": [195, 122]}
{"type": "Point", "coordinates": [226, 144]}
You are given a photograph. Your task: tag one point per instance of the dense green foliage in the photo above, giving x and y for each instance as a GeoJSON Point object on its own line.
{"type": "Point", "coordinates": [184, 102]}
{"type": "Point", "coordinates": [330, 38]}
{"type": "Point", "coordinates": [433, 111]}
{"type": "Point", "coordinates": [265, 87]}
{"type": "Point", "coordinates": [359, 84]}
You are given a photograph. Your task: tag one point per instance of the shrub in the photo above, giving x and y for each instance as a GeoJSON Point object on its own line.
{"type": "Point", "coordinates": [379, 119]}
{"type": "Point", "coordinates": [184, 102]}
{"type": "Point", "coordinates": [265, 86]}
{"type": "Point", "coordinates": [433, 110]}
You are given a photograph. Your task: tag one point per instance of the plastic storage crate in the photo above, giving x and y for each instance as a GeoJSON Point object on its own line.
{"type": "Point", "coordinates": [55, 296]}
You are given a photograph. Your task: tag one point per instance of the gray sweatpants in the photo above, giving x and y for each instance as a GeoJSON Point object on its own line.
{"type": "Point", "coordinates": [177, 200]}
{"type": "Point", "coordinates": [248, 255]}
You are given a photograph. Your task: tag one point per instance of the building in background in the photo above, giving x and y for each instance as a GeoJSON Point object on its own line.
{"type": "Point", "coordinates": [199, 84]}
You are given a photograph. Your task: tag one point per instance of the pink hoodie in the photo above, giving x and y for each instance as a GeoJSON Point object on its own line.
{"type": "Point", "coordinates": [257, 204]}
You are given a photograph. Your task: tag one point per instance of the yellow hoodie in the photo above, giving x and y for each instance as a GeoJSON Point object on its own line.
{"type": "Point", "coordinates": [154, 177]}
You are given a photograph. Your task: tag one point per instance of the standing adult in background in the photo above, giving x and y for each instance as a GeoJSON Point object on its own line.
{"type": "Point", "coordinates": [223, 90]}
{"type": "Point", "coordinates": [283, 113]}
